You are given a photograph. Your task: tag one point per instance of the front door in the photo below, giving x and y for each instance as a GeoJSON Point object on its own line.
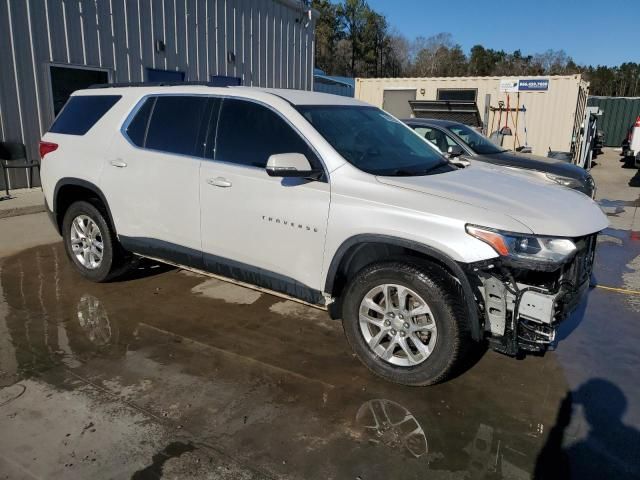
{"type": "Point", "coordinates": [151, 177]}
{"type": "Point", "coordinates": [262, 230]}
{"type": "Point", "coordinates": [437, 137]}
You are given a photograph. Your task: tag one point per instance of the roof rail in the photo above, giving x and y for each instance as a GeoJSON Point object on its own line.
{"type": "Point", "coordinates": [149, 84]}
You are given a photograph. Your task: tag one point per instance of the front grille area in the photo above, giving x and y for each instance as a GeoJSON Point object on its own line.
{"type": "Point", "coordinates": [580, 268]}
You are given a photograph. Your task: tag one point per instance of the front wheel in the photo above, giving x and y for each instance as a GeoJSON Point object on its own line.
{"type": "Point", "coordinates": [407, 324]}
{"type": "Point", "coordinates": [91, 244]}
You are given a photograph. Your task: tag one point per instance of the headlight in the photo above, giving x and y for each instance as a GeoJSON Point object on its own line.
{"type": "Point", "coordinates": [565, 181]}
{"type": "Point", "coordinates": [522, 248]}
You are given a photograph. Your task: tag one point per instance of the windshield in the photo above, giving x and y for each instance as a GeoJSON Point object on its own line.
{"type": "Point", "coordinates": [374, 141]}
{"type": "Point", "coordinates": [476, 141]}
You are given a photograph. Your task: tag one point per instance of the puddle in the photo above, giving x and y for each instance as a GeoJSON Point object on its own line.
{"type": "Point", "coordinates": [230, 293]}
{"type": "Point", "coordinates": [263, 383]}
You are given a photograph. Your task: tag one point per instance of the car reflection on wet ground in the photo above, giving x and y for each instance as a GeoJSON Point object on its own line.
{"type": "Point", "coordinates": [171, 374]}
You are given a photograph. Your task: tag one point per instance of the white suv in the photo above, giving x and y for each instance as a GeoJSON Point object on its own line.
{"type": "Point", "coordinates": [326, 200]}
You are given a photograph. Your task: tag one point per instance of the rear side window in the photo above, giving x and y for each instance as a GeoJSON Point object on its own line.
{"type": "Point", "coordinates": [176, 124]}
{"type": "Point", "coordinates": [137, 129]}
{"type": "Point", "coordinates": [82, 112]}
{"type": "Point", "coordinates": [249, 133]}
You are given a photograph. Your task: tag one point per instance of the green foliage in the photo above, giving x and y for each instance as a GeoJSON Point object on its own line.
{"type": "Point", "coordinates": [352, 39]}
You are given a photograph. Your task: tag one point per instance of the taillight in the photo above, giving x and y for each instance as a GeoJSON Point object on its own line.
{"type": "Point", "coordinates": [637, 122]}
{"type": "Point", "coordinates": [47, 147]}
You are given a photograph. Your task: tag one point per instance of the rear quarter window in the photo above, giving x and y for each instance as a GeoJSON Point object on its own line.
{"type": "Point", "coordinates": [137, 129]}
{"type": "Point", "coordinates": [82, 112]}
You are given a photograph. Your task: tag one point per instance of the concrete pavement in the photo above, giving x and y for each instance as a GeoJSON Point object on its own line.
{"type": "Point", "coordinates": [170, 374]}
{"type": "Point", "coordinates": [23, 201]}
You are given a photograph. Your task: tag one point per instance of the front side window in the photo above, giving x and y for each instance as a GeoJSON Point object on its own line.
{"type": "Point", "coordinates": [249, 133]}
{"type": "Point", "coordinates": [374, 141]}
{"type": "Point", "coordinates": [175, 125]}
{"type": "Point", "coordinates": [437, 137]}
{"type": "Point", "coordinates": [475, 141]}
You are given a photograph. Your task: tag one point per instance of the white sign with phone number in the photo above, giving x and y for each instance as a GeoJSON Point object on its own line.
{"type": "Point", "coordinates": [526, 85]}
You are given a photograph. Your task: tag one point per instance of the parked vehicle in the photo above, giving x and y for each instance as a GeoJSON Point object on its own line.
{"type": "Point", "coordinates": [631, 145]}
{"type": "Point", "coordinates": [445, 134]}
{"type": "Point", "coordinates": [326, 200]}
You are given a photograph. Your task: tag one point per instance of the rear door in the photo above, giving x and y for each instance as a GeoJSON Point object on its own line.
{"type": "Point", "coordinates": [151, 177]}
{"type": "Point", "coordinates": [264, 230]}
{"type": "Point", "coordinates": [396, 102]}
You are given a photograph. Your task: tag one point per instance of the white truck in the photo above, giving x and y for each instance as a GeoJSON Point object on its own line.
{"type": "Point", "coordinates": [325, 200]}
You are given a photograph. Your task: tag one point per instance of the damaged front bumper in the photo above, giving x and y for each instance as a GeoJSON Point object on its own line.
{"type": "Point", "coordinates": [522, 308]}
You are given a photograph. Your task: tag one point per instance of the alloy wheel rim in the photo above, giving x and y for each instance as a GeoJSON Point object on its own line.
{"type": "Point", "coordinates": [397, 324]}
{"type": "Point", "coordinates": [86, 242]}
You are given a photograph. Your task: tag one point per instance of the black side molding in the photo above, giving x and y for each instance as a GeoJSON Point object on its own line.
{"type": "Point", "coordinates": [222, 266]}
{"type": "Point", "coordinates": [66, 181]}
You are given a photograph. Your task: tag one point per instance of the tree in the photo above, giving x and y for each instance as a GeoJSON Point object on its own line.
{"type": "Point", "coordinates": [352, 14]}
{"type": "Point", "coordinates": [374, 42]}
{"type": "Point", "coordinates": [327, 34]}
{"type": "Point", "coordinates": [353, 39]}
{"type": "Point", "coordinates": [397, 60]}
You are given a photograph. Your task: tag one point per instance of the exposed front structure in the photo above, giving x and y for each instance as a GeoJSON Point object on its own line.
{"type": "Point", "coordinates": [52, 47]}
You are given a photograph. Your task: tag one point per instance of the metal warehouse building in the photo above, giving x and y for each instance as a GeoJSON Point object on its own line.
{"type": "Point", "coordinates": [555, 105]}
{"type": "Point", "coordinates": [49, 48]}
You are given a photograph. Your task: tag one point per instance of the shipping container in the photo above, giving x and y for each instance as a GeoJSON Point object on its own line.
{"type": "Point", "coordinates": [551, 108]}
{"type": "Point", "coordinates": [52, 47]}
{"type": "Point", "coordinates": [618, 114]}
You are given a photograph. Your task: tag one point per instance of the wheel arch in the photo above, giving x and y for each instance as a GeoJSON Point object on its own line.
{"type": "Point", "coordinates": [351, 248]}
{"type": "Point", "coordinates": [69, 190]}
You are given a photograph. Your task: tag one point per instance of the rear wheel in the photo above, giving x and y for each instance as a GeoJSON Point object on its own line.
{"type": "Point", "coordinates": [91, 244]}
{"type": "Point", "coordinates": [406, 323]}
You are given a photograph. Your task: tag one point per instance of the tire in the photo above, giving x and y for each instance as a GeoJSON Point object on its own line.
{"type": "Point", "coordinates": [113, 261]}
{"type": "Point", "coordinates": [443, 298]}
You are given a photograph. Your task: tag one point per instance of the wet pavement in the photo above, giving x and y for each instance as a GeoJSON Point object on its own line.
{"type": "Point", "coordinates": [170, 374]}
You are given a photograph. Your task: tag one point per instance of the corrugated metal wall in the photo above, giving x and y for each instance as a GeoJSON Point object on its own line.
{"type": "Point", "coordinates": [272, 41]}
{"type": "Point", "coordinates": [619, 113]}
{"type": "Point", "coordinates": [550, 114]}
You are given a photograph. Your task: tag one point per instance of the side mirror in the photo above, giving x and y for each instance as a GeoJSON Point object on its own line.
{"type": "Point", "coordinates": [454, 151]}
{"type": "Point", "coordinates": [291, 165]}
{"type": "Point", "coordinates": [460, 162]}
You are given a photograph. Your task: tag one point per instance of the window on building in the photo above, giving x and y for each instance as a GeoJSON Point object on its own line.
{"type": "Point", "coordinates": [176, 124]}
{"type": "Point", "coordinates": [249, 133]}
{"type": "Point", "coordinates": [224, 81]}
{"type": "Point", "coordinates": [82, 112]}
{"type": "Point", "coordinates": [169, 76]}
{"type": "Point", "coordinates": [466, 94]}
{"type": "Point", "coordinates": [66, 80]}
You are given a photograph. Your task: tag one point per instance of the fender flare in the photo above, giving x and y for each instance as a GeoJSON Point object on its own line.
{"type": "Point", "coordinates": [449, 262]}
{"type": "Point", "coordinates": [78, 182]}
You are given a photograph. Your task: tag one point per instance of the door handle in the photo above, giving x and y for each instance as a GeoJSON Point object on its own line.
{"type": "Point", "coordinates": [219, 182]}
{"type": "Point", "coordinates": [118, 163]}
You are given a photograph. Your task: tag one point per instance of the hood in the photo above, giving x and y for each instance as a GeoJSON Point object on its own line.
{"type": "Point", "coordinates": [535, 162]}
{"type": "Point", "coordinates": [546, 209]}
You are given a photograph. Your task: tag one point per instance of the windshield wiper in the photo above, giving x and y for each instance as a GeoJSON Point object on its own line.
{"type": "Point", "coordinates": [401, 172]}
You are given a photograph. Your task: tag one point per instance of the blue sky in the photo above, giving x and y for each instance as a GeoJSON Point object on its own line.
{"type": "Point", "coordinates": [592, 32]}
